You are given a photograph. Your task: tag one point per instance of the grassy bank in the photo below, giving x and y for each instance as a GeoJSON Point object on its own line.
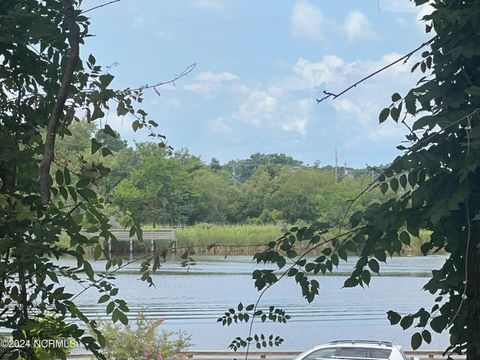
{"type": "Point", "coordinates": [244, 239]}
{"type": "Point", "coordinates": [239, 239]}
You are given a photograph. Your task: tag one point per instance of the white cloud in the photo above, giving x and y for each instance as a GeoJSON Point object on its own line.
{"type": "Point", "coordinates": [257, 109]}
{"type": "Point", "coordinates": [362, 116]}
{"type": "Point", "coordinates": [208, 83]}
{"type": "Point", "coordinates": [138, 21]}
{"type": "Point", "coordinates": [297, 117]}
{"type": "Point", "coordinates": [312, 74]}
{"type": "Point", "coordinates": [356, 26]}
{"type": "Point", "coordinates": [307, 21]}
{"type": "Point", "coordinates": [208, 76]}
{"type": "Point", "coordinates": [219, 126]}
{"type": "Point", "coordinates": [396, 6]}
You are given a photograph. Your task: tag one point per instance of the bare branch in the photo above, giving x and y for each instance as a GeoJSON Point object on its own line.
{"type": "Point", "coordinates": [185, 72]}
{"type": "Point", "coordinates": [100, 6]}
{"type": "Point", "coordinates": [403, 58]}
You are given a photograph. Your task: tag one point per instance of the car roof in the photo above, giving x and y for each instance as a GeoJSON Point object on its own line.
{"type": "Point", "coordinates": [358, 343]}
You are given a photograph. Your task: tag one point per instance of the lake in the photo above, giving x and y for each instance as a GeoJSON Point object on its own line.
{"type": "Point", "coordinates": [192, 299]}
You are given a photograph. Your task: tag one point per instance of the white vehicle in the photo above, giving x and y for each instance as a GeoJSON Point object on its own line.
{"type": "Point", "coordinates": [355, 350]}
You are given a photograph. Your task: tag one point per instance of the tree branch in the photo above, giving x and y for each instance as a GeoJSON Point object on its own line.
{"type": "Point", "coordinates": [100, 6]}
{"type": "Point", "coordinates": [53, 121]}
{"type": "Point", "coordinates": [329, 94]}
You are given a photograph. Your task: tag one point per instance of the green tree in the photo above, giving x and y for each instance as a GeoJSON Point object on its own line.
{"type": "Point", "coordinates": [215, 164]}
{"type": "Point", "coordinates": [244, 169]}
{"type": "Point", "coordinates": [212, 200]}
{"type": "Point", "coordinates": [295, 193]}
{"type": "Point", "coordinates": [157, 191]}
{"type": "Point", "coordinates": [433, 186]}
{"type": "Point", "coordinates": [44, 87]}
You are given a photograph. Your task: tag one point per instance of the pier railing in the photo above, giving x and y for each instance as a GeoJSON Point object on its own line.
{"type": "Point", "coordinates": [276, 355]}
{"type": "Point", "coordinates": [169, 235]}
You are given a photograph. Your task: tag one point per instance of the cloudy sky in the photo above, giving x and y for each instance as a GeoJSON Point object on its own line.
{"type": "Point", "coordinates": [260, 66]}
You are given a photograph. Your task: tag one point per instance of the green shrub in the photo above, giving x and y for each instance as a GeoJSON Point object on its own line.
{"type": "Point", "coordinates": [144, 341]}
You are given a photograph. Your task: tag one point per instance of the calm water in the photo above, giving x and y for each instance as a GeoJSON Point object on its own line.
{"type": "Point", "coordinates": [193, 299]}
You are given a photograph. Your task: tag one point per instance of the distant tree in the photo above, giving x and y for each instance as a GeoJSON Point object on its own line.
{"type": "Point", "coordinates": [211, 200]}
{"type": "Point", "coordinates": [215, 164]}
{"type": "Point", "coordinates": [244, 169]}
{"type": "Point", "coordinates": [157, 191]}
{"type": "Point", "coordinates": [114, 143]}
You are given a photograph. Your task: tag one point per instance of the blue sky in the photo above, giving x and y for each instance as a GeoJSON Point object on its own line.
{"type": "Point", "coordinates": [260, 66]}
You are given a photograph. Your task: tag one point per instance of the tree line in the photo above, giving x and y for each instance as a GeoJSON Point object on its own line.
{"type": "Point", "coordinates": [160, 187]}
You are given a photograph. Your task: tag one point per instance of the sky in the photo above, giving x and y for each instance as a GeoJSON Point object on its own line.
{"type": "Point", "coordinates": [260, 65]}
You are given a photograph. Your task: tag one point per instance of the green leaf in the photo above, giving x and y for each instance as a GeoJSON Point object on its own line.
{"type": "Point", "coordinates": [396, 97]}
{"type": "Point", "coordinates": [406, 322]}
{"type": "Point", "coordinates": [366, 276]}
{"type": "Point", "coordinates": [121, 109]}
{"type": "Point", "coordinates": [395, 113]}
{"type": "Point", "coordinates": [109, 131]}
{"type": "Point", "coordinates": [67, 177]}
{"type": "Point", "coordinates": [374, 265]}
{"type": "Point", "coordinates": [380, 255]}
{"type": "Point", "coordinates": [121, 316]}
{"type": "Point", "coordinates": [438, 324]}
{"type": "Point", "coordinates": [110, 307]}
{"type": "Point", "coordinates": [393, 317]}
{"type": "Point", "coordinates": [384, 115]}
{"type": "Point", "coordinates": [97, 252]}
{"type": "Point", "coordinates": [95, 145]}
{"type": "Point", "coordinates": [350, 282]}
{"type": "Point", "coordinates": [384, 188]}
{"type": "Point", "coordinates": [88, 269]}
{"type": "Point", "coordinates": [135, 125]}
{"type": "Point", "coordinates": [59, 177]}
{"type": "Point", "coordinates": [87, 193]}
{"type": "Point", "coordinates": [104, 298]}
{"type": "Point", "coordinates": [427, 336]}
{"type": "Point", "coordinates": [404, 237]}
{"type": "Point", "coordinates": [394, 184]}
{"type": "Point", "coordinates": [416, 341]}
{"type": "Point", "coordinates": [91, 59]}
{"type": "Point", "coordinates": [105, 80]}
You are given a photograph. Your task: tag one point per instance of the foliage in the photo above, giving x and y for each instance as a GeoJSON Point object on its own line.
{"type": "Point", "coordinates": [434, 186]}
{"type": "Point", "coordinates": [204, 235]}
{"type": "Point", "coordinates": [157, 192]}
{"type": "Point", "coordinates": [44, 88]}
{"type": "Point", "coordinates": [143, 342]}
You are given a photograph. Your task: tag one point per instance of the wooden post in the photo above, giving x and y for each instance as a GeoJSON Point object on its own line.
{"type": "Point", "coordinates": [152, 244]}
{"type": "Point", "coordinates": [109, 246]}
{"type": "Point", "coordinates": [174, 241]}
{"type": "Point", "coordinates": [131, 248]}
